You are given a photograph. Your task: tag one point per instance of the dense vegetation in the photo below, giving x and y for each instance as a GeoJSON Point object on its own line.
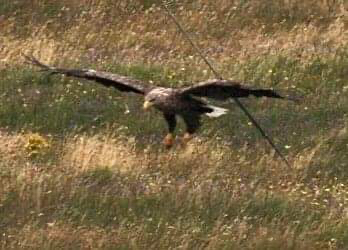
{"type": "Point", "coordinates": [81, 166]}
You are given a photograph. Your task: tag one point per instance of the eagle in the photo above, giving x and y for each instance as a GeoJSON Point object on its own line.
{"type": "Point", "coordinates": [185, 102]}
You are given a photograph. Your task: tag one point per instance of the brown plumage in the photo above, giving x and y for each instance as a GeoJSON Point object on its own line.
{"type": "Point", "coordinates": [171, 102]}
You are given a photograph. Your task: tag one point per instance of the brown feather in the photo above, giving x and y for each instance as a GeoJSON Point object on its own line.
{"type": "Point", "coordinates": [121, 83]}
{"type": "Point", "coordinates": [224, 89]}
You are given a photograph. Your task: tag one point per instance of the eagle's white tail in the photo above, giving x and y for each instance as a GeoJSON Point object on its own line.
{"type": "Point", "coordinates": [217, 111]}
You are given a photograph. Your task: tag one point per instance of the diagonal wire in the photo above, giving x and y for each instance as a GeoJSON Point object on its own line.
{"type": "Point", "coordinates": [217, 75]}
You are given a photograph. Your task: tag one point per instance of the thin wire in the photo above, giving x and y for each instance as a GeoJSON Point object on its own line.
{"type": "Point", "coordinates": [217, 75]}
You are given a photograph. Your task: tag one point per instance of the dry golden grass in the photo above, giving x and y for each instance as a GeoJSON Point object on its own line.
{"type": "Point", "coordinates": [200, 172]}
{"type": "Point", "coordinates": [107, 190]}
{"type": "Point", "coordinates": [151, 35]}
{"type": "Point", "coordinates": [85, 152]}
{"type": "Point", "coordinates": [62, 236]}
{"type": "Point", "coordinates": [11, 146]}
{"type": "Point", "coordinates": [119, 153]}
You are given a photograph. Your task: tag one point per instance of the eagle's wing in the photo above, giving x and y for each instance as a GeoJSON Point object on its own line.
{"type": "Point", "coordinates": [224, 89]}
{"type": "Point", "coordinates": [122, 83]}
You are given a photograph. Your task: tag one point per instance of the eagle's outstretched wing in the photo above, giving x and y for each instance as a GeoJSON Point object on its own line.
{"type": "Point", "coordinates": [122, 83]}
{"type": "Point", "coordinates": [224, 89]}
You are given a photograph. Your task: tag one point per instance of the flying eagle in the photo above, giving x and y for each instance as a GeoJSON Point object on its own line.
{"type": "Point", "coordinates": [172, 102]}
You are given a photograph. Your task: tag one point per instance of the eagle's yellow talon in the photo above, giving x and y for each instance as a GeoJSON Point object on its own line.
{"type": "Point", "coordinates": [186, 138]}
{"type": "Point", "coordinates": [168, 141]}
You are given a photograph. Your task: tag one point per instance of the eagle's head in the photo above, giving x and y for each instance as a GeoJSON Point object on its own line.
{"type": "Point", "coordinates": [156, 97]}
{"type": "Point", "coordinates": [149, 102]}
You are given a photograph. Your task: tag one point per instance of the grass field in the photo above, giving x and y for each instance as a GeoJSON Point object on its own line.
{"type": "Point", "coordinates": [82, 167]}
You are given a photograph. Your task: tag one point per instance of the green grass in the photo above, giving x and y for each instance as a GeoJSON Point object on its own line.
{"type": "Point", "coordinates": [52, 104]}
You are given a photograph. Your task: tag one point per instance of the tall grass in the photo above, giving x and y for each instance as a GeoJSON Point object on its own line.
{"type": "Point", "coordinates": [81, 166]}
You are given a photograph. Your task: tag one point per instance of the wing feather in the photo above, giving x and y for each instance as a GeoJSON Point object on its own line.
{"type": "Point", "coordinates": [121, 83]}
{"type": "Point", "coordinates": [225, 89]}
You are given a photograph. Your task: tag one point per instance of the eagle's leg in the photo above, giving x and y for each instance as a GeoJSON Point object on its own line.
{"type": "Point", "coordinates": [192, 121]}
{"type": "Point", "coordinates": [168, 140]}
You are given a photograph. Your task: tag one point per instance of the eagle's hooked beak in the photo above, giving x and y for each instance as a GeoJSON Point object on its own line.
{"type": "Point", "coordinates": [147, 105]}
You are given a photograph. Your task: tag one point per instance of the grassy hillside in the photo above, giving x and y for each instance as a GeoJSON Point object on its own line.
{"type": "Point", "coordinates": [81, 166]}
